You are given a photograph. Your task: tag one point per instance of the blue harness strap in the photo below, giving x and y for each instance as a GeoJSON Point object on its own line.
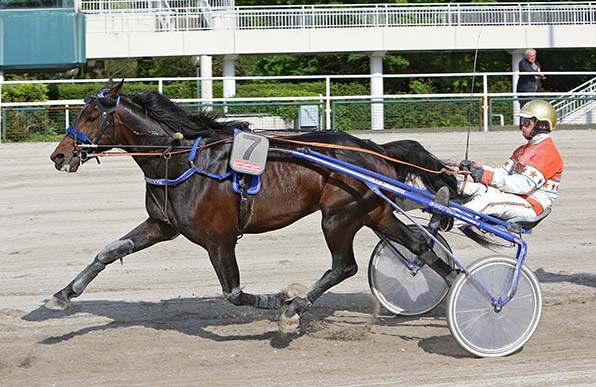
{"type": "Point", "coordinates": [193, 151]}
{"type": "Point", "coordinates": [77, 135]}
{"type": "Point", "coordinates": [185, 175]}
{"type": "Point", "coordinates": [254, 188]}
{"type": "Point", "coordinates": [254, 183]}
{"type": "Point", "coordinates": [189, 172]}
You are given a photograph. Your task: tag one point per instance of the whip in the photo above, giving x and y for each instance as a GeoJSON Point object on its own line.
{"type": "Point", "coordinates": [472, 94]}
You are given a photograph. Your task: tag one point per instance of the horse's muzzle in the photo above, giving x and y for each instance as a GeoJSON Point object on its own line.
{"type": "Point", "coordinates": [61, 163]}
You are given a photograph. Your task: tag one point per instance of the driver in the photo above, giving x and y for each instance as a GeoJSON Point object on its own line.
{"type": "Point", "coordinates": [528, 182]}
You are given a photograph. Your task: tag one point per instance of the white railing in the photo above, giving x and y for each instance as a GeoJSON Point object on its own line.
{"type": "Point", "coordinates": [566, 107]}
{"type": "Point", "coordinates": [139, 6]}
{"type": "Point", "coordinates": [330, 16]}
{"type": "Point", "coordinates": [571, 100]}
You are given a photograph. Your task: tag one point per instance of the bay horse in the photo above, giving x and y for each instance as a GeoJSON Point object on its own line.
{"type": "Point", "coordinates": [207, 211]}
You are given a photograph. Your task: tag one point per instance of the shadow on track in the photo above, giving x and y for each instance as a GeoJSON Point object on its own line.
{"type": "Point", "coordinates": [201, 316]}
{"type": "Point", "coordinates": [583, 279]}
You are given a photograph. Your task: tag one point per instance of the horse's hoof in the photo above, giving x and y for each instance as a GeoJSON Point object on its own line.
{"type": "Point", "coordinates": [288, 325]}
{"type": "Point", "coordinates": [292, 291]}
{"type": "Point", "coordinates": [56, 303]}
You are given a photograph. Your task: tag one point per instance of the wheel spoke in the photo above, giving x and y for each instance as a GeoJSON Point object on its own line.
{"type": "Point", "coordinates": [397, 288]}
{"type": "Point", "coordinates": [477, 326]}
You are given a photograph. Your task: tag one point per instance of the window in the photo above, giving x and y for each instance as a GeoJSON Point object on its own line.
{"type": "Point", "coordinates": [31, 4]}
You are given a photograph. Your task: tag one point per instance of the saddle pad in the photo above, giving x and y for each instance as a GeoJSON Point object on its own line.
{"type": "Point", "coordinates": [249, 153]}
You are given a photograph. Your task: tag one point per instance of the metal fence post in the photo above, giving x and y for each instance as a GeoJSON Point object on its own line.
{"type": "Point", "coordinates": [328, 103]}
{"type": "Point", "coordinates": [485, 101]}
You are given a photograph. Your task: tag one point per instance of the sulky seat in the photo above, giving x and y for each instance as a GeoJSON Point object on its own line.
{"type": "Point", "coordinates": [523, 222]}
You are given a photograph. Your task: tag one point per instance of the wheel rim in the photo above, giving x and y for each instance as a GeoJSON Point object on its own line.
{"type": "Point", "coordinates": [397, 288]}
{"type": "Point", "coordinates": [474, 322]}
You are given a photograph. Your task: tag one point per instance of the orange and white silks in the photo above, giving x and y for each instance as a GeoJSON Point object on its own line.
{"type": "Point", "coordinates": [524, 185]}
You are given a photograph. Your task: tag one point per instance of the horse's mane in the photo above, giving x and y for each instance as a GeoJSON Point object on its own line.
{"type": "Point", "coordinates": [208, 124]}
{"type": "Point", "coordinates": [175, 119]}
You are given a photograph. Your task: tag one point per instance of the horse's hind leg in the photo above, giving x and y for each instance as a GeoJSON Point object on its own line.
{"type": "Point", "coordinates": [144, 235]}
{"type": "Point", "coordinates": [223, 258]}
{"type": "Point", "coordinates": [339, 230]}
{"type": "Point", "coordinates": [394, 229]}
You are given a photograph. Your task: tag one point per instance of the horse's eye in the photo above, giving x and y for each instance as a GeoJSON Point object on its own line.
{"type": "Point", "coordinates": [91, 118]}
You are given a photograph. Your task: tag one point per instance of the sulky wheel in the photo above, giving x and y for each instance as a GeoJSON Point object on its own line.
{"type": "Point", "coordinates": [401, 290]}
{"type": "Point", "coordinates": [476, 325]}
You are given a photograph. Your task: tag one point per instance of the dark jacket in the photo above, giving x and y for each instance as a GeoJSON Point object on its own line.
{"type": "Point", "coordinates": [528, 83]}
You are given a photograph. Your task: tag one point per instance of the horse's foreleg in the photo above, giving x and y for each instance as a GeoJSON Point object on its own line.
{"type": "Point", "coordinates": [144, 235]}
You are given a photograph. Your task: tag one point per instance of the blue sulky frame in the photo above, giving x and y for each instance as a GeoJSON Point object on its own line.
{"type": "Point", "coordinates": [377, 182]}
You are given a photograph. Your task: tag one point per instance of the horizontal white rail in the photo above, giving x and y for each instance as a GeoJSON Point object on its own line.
{"type": "Point", "coordinates": [106, 6]}
{"type": "Point", "coordinates": [75, 102]}
{"type": "Point", "coordinates": [163, 80]}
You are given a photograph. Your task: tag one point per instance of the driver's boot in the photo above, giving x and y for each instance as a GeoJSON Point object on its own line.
{"type": "Point", "coordinates": [440, 221]}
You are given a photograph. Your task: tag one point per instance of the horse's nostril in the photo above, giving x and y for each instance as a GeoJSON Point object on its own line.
{"type": "Point", "coordinates": [57, 157]}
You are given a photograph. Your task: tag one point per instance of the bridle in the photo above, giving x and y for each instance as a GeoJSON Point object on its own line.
{"type": "Point", "coordinates": [81, 140]}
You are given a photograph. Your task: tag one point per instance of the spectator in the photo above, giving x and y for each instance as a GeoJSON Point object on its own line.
{"type": "Point", "coordinates": [529, 83]}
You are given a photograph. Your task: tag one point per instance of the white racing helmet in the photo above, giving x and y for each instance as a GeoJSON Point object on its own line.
{"type": "Point", "coordinates": [542, 110]}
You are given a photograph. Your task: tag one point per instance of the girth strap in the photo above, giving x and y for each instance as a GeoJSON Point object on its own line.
{"type": "Point", "coordinates": [243, 185]}
{"type": "Point", "coordinates": [243, 210]}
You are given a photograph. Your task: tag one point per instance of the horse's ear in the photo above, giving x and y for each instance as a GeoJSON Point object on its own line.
{"type": "Point", "coordinates": [104, 91]}
{"type": "Point", "coordinates": [108, 99]}
{"type": "Point", "coordinates": [108, 85]}
{"type": "Point", "coordinates": [115, 91]}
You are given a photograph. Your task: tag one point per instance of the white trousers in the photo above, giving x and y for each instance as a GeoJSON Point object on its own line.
{"type": "Point", "coordinates": [490, 201]}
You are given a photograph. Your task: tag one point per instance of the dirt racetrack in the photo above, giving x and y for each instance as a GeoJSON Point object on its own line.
{"type": "Point", "coordinates": [160, 320]}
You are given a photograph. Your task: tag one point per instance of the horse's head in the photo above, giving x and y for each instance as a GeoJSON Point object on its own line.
{"type": "Point", "coordinates": [89, 131]}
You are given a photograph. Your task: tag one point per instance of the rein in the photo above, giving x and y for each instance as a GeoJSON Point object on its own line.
{"type": "Point", "coordinates": [81, 140]}
{"type": "Point", "coordinates": [276, 138]}
{"type": "Point", "coordinates": [355, 149]}
{"type": "Point", "coordinates": [167, 148]}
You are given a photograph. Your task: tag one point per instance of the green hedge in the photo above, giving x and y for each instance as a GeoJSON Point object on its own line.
{"type": "Point", "coordinates": [181, 89]}
{"type": "Point", "coordinates": [29, 92]}
{"type": "Point", "coordinates": [81, 90]}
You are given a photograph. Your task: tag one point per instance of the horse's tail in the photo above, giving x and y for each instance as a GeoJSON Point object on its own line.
{"type": "Point", "coordinates": [414, 153]}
